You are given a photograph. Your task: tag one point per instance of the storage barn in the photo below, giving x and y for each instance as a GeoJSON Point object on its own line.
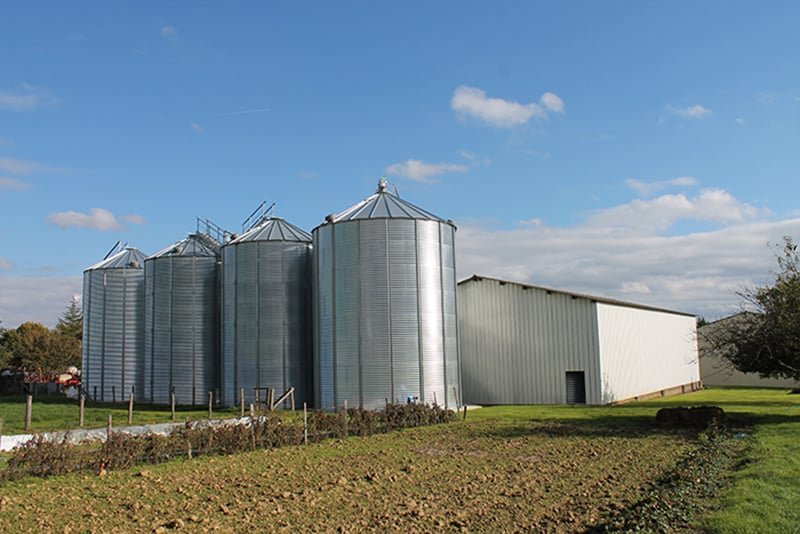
{"type": "Point", "coordinates": [266, 312]}
{"type": "Point", "coordinates": [715, 370]}
{"type": "Point", "coordinates": [113, 326]}
{"type": "Point", "coordinates": [181, 327]}
{"type": "Point", "coordinates": [385, 306]}
{"type": "Point", "coordinates": [524, 344]}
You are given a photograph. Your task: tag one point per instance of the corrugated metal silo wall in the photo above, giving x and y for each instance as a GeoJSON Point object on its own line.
{"type": "Point", "coordinates": [517, 343]}
{"type": "Point", "coordinates": [266, 319]}
{"type": "Point", "coordinates": [385, 324]}
{"type": "Point", "coordinates": [645, 351]}
{"type": "Point", "coordinates": [182, 328]}
{"type": "Point", "coordinates": [113, 351]}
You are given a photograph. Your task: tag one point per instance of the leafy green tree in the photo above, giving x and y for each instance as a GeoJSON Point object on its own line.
{"type": "Point", "coordinates": [766, 339]}
{"type": "Point", "coordinates": [34, 347]}
{"type": "Point", "coordinates": [71, 322]}
{"type": "Point", "coordinates": [5, 353]}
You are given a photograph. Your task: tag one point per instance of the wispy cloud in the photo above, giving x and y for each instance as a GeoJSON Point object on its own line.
{"type": "Point", "coordinates": [198, 128]}
{"type": "Point", "coordinates": [12, 184]}
{"type": "Point", "coordinates": [27, 98]}
{"type": "Point", "coordinates": [243, 112]}
{"type": "Point", "coordinates": [740, 121]}
{"type": "Point", "coordinates": [698, 272]}
{"type": "Point", "coordinates": [170, 34]}
{"type": "Point", "coordinates": [18, 166]}
{"type": "Point", "coordinates": [6, 265]}
{"type": "Point", "coordinates": [649, 188]}
{"type": "Point", "coordinates": [473, 102]}
{"type": "Point", "coordinates": [97, 219]}
{"type": "Point", "coordinates": [689, 112]}
{"type": "Point", "coordinates": [421, 172]}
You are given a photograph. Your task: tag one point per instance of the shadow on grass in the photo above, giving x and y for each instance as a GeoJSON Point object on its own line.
{"type": "Point", "coordinates": [626, 426]}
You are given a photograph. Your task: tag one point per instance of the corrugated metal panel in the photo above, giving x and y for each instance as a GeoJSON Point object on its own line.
{"type": "Point", "coordinates": [324, 341]}
{"type": "Point", "coordinates": [182, 322]}
{"type": "Point", "coordinates": [430, 311]}
{"type": "Point", "coordinates": [269, 318]}
{"type": "Point", "coordinates": [643, 351]}
{"type": "Point", "coordinates": [114, 327]}
{"type": "Point", "coordinates": [346, 279]}
{"type": "Point", "coordinates": [517, 343]}
{"type": "Point", "coordinates": [450, 318]}
{"type": "Point", "coordinates": [404, 312]}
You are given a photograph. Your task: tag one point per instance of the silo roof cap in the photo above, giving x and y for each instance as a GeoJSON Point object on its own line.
{"type": "Point", "coordinates": [274, 229]}
{"type": "Point", "coordinates": [200, 245]}
{"type": "Point", "coordinates": [384, 205]}
{"type": "Point", "coordinates": [127, 258]}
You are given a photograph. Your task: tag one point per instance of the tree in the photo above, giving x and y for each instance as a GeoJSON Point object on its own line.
{"type": "Point", "coordinates": [765, 339]}
{"type": "Point", "coordinates": [34, 347]}
{"type": "Point", "coordinates": [71, 322]}
{"type": "Point", "coordinates": [5, 353]}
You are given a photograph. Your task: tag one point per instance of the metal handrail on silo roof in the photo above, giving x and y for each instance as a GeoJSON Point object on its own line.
{"type": "Point", "coordinates": [257, 217]}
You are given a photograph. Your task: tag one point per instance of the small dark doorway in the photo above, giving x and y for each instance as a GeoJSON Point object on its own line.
{"type": "Point", "coordinates": [576, 387]}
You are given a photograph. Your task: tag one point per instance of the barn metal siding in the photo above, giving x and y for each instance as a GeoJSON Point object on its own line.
{"type": "Point", "coordinates": [644, 351]}
{"type": "Point", "coordinates": [518, 342]}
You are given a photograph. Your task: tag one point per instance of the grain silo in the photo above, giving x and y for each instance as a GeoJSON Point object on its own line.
{"type": "Point", "coordinates": [385, 306]}
{"type": "Point", "coordinates": [113, 326]}
{"type": "Point", "coordinates": [182, 321]}
{"type": "Point", "coordinates": [266, 310]}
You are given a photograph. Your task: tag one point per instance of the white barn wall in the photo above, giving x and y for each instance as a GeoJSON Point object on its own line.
{"type": "Point", "coordinates": [517, 342]}
{"type": "Point", "coordinates": [644, 351]}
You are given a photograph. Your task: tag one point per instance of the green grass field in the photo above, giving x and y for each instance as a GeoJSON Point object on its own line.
{"type": "Point", "coordinates": [540, 468]}
{"type": "Point", "coordinates": [55, 412]}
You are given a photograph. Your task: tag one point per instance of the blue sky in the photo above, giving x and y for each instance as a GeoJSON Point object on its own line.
{"type": "Point", "coordinates": [640, 150]}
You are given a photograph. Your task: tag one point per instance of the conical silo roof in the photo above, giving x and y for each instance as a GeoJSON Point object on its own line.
{"type": "Point", "coordinates": [128, 257]}
{"type": "Point", "coordinates": [192, 245]}
{"type": "Point", "coordinates": [274, 229]}
{"type": "Point", "coordinates": [384, 205]}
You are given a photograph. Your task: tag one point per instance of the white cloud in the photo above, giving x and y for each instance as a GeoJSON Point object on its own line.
{"type": "Point", "coordinates": [660, 213]}
{"type": "Point", "coordinates": [134, 219]}
{"type": "Point", "coordinates": [473, 102]}
{"type": "Point", "coordinates": [6, 265]}
{"type": "Point", "coordinates": [18, 166]}
{"type": "Point", "coordinates": [198, 128]}
{"type": "Point", "coordinates": [96, 219]}
{"type": "Point", "coordinates": [170, 33]}
{"type": "Point", "coordinates": [11, 183]}
{"type": "Point", "coordinates": [690, 112]}
{"type": "Point", "coordinates": [740, 121]}
{"type": "Point", "coordinates": [26, 98]}
{"type": "Point", "coordinates": [424, 173]}
{"type": "Point", "coordinates": [466, 154]}
{"type": "Point", "coordinates": [648, 188]}
{"type": "Point", "coordinates": [40, 299]}
{"type": "Point", "coordinates": [552, 102]}
{"type": "Point", "coordinates": [696, 273]}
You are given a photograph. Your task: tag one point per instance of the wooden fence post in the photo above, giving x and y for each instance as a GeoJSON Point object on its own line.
{"type": "Point", "coordinates": [130, 408]}
{"type": "Point", "coordinates": [305, 424]}
{"type": "Point", "coordinates": [271, 398]}
{"type": "Point", "coordinates": [241, 402]}
{"type": "Point", "coordinates": [172, 404]}
{"type": "Point", "coordinates": [28, 409]}
{"type": "Point", "coordinates": [292, 399]}
{"type": "Point", "coordinates": [108, 428]}
{"type": "Point", "coordinates": [210, 403]}
{"type": "Point", "coordinates": [345, 419]}
{"type": "Point", "coordinates": [82, 405]}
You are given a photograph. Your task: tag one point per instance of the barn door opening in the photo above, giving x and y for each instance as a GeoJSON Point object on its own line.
{"type": "Point", "coordinates": [576, 387]}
